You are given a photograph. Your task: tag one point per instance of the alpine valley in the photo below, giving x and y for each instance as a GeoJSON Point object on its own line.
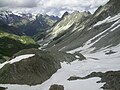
{"type": "Point", "coordinates": [79, 51]}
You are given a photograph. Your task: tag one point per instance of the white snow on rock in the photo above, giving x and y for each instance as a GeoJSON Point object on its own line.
{"type": "Point", "coordinates": [108, 20]}
{"type": "Point", "coordinates": [77, 56]}
{"type": "Point", "coordinates": [101, 22]}
{"type": "Point", "coordinates": [87, 46]}
{"type": "Point", "coordinates": [18, 13]}
{"type": "Point", "coordinates": [17, 59]}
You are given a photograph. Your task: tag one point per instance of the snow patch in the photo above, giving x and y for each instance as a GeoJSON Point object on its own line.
{"type": "Point", "coordinates": [17, 59]}
{"type": "Point", "coordinates": [101, 22]}
{"type": "Point", "coordinates": [108, 20]}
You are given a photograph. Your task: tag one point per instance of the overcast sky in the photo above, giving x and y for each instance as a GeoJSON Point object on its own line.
{"type": "Point", "coordinates": [55, 7]}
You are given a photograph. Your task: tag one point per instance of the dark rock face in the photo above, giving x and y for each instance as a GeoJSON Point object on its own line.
{"type": "Point", "coordinates": [56, 87]}
{"type": "Point", "coordinates": [34, 70]}
{"type": "Point", "coordinates": [109, 9]}
{"type": "Point", "coordinates": [110, 52]}
{"type": "Point", "coordinates": [3, 88]}
{"type": "Point", "coordinates": [111, 79]}
{"type": "Point", "coordinates": [81, 57]}
{"type": "Point", "coordinates": [73, 78]}
{"type": "Point", "coordinates": [10, 29]}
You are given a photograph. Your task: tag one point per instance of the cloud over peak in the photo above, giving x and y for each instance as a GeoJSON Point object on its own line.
{"type": "Point", "coordinates": [55, 7]}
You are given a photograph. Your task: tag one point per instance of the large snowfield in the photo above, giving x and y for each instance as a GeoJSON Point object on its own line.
{"type": "Point", "coordinates": [95, 62]}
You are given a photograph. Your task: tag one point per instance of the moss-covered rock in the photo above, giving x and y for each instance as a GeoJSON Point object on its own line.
{"type": "Point", "coordinates": [11, 44]}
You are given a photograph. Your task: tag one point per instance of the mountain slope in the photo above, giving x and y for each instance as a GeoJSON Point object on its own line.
{"type": "Point", "coordinates": [65, 25]}
{"type": "Point", "coordinates": [95, 36]}
{"type": "Point", "coordinates": [92, 33]}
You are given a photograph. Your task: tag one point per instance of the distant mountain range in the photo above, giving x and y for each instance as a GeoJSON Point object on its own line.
{"type": "Point", "coordinates": [27, 23]}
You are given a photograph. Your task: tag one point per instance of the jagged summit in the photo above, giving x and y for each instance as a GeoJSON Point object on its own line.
{"type": "Point", "coordinates": [111, 8]}
{"type": "Point", "coordinates": [66, 24]}
{"type": "Point", "coordinates": [65, 14]}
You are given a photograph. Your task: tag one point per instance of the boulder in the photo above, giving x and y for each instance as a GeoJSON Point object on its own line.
{"type": "Point", "coordinates": [56, 87]}
{"type": "Point", "coordinates": [3, 88]}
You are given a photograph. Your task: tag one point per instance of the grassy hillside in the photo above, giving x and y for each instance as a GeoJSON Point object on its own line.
{"type": "Point", "coordinates": [10, 44]}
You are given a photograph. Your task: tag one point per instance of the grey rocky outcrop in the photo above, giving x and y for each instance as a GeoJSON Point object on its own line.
{"type": "Point", "coordinates": [33, 70]}
{"type": "Point", "coordinates": [110, 78]}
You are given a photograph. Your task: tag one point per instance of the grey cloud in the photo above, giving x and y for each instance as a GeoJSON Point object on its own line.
{"type": "Point", "coordinates": [3, 3]}
{"type": "Point", "coordinates": [18, 3]}
{"type": "Point", "coordinates": [51, 7]}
